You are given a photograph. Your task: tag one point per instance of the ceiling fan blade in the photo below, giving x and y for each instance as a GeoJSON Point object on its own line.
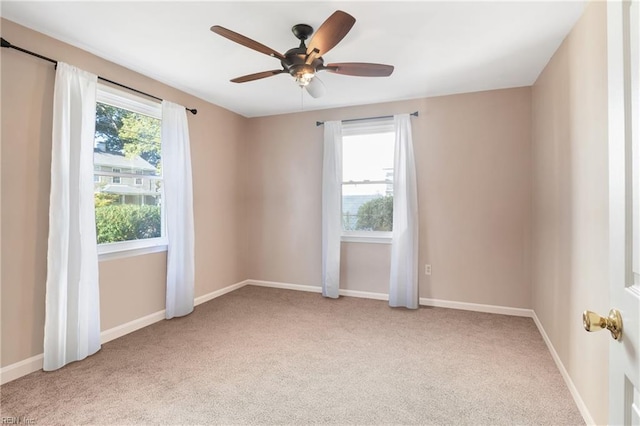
{"type": "Point", "coordinates": [256, 76]}
{"type": "Point", "coordinates": [331, 32]}
{"type": "Point", "coordinates": [246, 41]}
{"type": "Point", "coordinates": [361, 69]}
{"type": "Point", "coordinates": [316, 88]}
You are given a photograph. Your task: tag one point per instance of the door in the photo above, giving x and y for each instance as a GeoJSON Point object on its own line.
{"type": "Point", "coordinates": [623, 33]}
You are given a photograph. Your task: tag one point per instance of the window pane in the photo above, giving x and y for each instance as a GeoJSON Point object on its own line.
{"type": "Point", "coordinates": [127, 161]}
{"type": "Point", "coordinates": [367, 212]}
{"type": "Point", "coordinates": [367, 190]}
{"type": "Point", "coordinates": [119, 219]}
{"type": "Point", "coordinates": [367, 157]}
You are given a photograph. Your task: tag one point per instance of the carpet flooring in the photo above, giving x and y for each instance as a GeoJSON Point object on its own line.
{"type": "Point", "coordinates": [269, 356]}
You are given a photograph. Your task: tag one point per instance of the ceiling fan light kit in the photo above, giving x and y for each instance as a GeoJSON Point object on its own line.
{"type": "Point", "coordinates": [304, 62]}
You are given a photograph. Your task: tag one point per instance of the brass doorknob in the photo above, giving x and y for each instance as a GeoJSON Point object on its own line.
{"type": "Point", "coordinates": [594, 322]}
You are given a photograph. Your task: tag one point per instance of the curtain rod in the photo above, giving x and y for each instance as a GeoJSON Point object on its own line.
{"type": "Point", "coordinates": [320, 123]}
{"type": "Point", "coordinates": [5, 43]}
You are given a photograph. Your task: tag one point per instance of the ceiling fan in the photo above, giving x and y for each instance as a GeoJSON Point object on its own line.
{"type": "Point", "coordinates": [304, 62]}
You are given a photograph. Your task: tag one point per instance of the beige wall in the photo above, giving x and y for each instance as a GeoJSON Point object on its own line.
{"type": "Point", "coordinates": [129, 288]}
{"type": "Point", "coordinates": [570, 204]}
{"type": "Point", "coordinates": [473, 166]}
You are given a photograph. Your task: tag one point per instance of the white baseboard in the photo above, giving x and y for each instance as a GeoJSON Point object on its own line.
{"type": "Point", "coordinates": [582, 407]}
{"type": "Point", "coordinates": [210, 296]}
{"type": "Point", "coordinates": [286, 286]}
{"type": "Point", "coordinates": [364, 294]}
{"type": "Point", "coordinates": [131, 326]}
{"type": "Point", "coordinates": [477, 307]}
{"type": "Point", "coordinates": [137, 324]}
{"type": "Point", "coordinates": [30, 365]}
{"type": "Point", "coordinates": [21, 368]}
{"type": "Point", "coordinates": [317, 289]}
{"type": "Point", "coordinates": [493, 309]}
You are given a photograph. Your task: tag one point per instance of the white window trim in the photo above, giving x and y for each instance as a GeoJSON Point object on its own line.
{"type": "Point", "coordinates": [122, 249]}
{"type": "Point", "coordinates": [375, 237]}
{"type": "Point", "coordinates": [384, 125]}
{"type": "Point", "coordinates": [121, 99]}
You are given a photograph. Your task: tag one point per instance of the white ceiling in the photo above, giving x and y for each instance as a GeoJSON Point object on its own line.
{"type": "Point", "coordinates": [437, 47]}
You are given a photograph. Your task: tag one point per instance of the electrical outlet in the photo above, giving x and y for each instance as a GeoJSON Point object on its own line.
{"type": "Point", "coordinates": [427, 269]}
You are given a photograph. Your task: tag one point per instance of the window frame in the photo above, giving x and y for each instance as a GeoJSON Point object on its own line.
{"type": "Point", "coordinates": [125, 100]}
{"type": "Point", "coordinates": [358, 128]}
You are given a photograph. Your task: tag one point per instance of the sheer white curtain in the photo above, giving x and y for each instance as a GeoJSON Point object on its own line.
{"type": "Point", "coordinates": [178, 204]}
{"type": "Point", "coordinates": [72, 307]}
{"type": "Point", "coordinates": [403, 288]}
{"type": "Point", "coordinates": [331, 208]}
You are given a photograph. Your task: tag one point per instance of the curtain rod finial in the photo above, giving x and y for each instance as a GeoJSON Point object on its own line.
{"type": "Point", "coordinates": [192, 110]}
{"type": "Point", "coordinates": [5, 43]}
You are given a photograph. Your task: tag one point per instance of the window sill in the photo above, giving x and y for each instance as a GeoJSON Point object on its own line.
{"type": "Point", "coordinates": [130, 249]}
{"type": "Point", "coordinates": [368, 239]}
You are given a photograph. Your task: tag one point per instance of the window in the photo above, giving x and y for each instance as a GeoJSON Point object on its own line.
{"type": "Point", "coordinates": [115, 179]}
{"type": "Point", "coordinates": [367, 175]}
{"type": "Point", "coordinates": [127, 146]}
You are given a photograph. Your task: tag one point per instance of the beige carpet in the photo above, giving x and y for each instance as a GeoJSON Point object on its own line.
{"type": "Point", "coordinates": [268, 356]}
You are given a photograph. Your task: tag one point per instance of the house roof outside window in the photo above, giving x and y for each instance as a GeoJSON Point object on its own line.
{"type": "Point", "coordinates": [120, 161]}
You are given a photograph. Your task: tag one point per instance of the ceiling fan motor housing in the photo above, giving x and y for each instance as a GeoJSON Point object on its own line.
{"type": "Point", "coordinates": [302, 31]}
{"type": "Point", "coordinates": [295, 59]}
